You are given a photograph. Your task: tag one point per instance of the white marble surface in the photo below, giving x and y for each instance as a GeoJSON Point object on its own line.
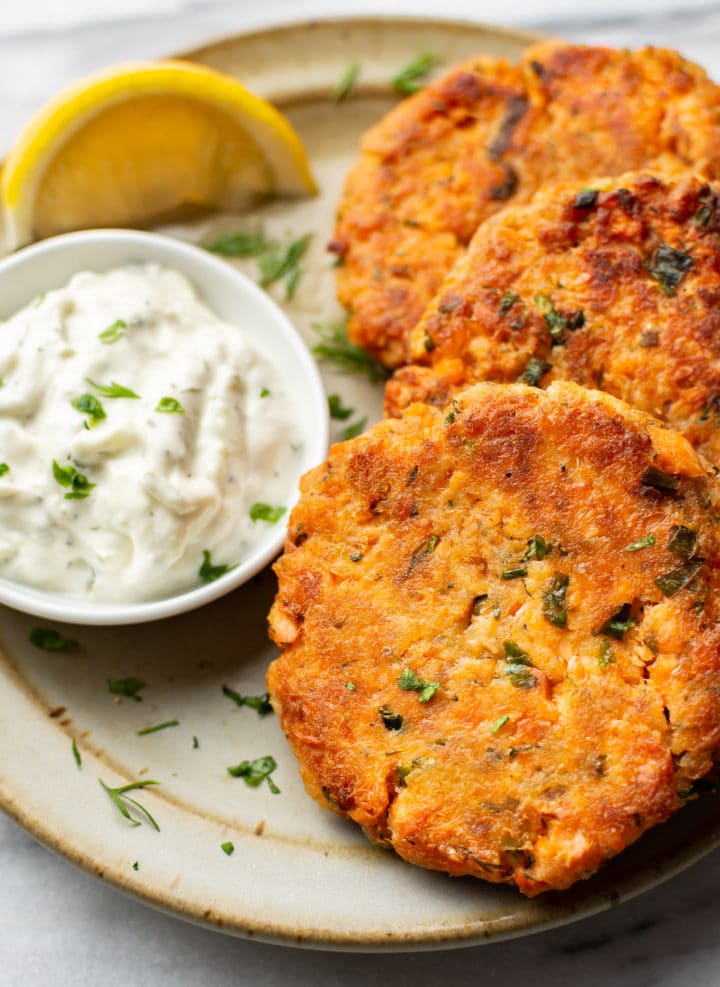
{"type": "Point", "coordinates": [59, 926]}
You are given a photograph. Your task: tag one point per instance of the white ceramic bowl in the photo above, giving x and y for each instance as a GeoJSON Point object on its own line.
{"type": "Point", "coordinates": [50, 264]}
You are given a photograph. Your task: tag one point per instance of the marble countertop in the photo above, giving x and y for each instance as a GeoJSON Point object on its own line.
{"type": "Point", "coordinates": [60, 926]}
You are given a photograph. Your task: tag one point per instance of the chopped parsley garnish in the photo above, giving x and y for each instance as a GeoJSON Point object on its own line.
{"type": "Point", "coordinates": [517, 666]}
{"type": "Point", "coordinates": [241, 244]}
{"type": "Point", "coordinates": [129, 688]}
{"type": "Point", "coordinates": [619, 624]}
{"type": "Point", "coordinates": [254, 773]}
{"type": "Point", "coordinates": [356, 556]}
{"type": "Point", "coordinates": [76, 754]}
{"type": "Point", "coordinates": [538, 548]}
{"type": "Point", "coordinates": [352, 431]}
{"type": "Point", "coordinates": [682, 542]}
{"type": "Point", "coordinates": [705, 212]}
{"type": "Point", "coordinates": [281, 262]}
{"type": "Point", "coordinates": [114, 332]}
{"type": "Point", "coordinates": [261, 704]}
{"type": "Point", "coordinates": [89, 405]}
{"type": "Point", "coordinates": [499, 724]}
{"type": "Point", "coordinates": [432, 544]}
{"type": "Point", "coordinates": [586, 199]}
{"type": "Point", "coordinates": [506, 302]}
{"type": "Point", "coordinates": [653, 477]}
{"type": "Point", "coordinates": [428, 342]}
{"type": "Point", "coordinates": [120, 797]}
{"type": "Point", "coordinates": [208, 572]}
{"type": "Point", "coordinates": [170, 406]}
{"type": "Point", "coordinates": [68, 476]}
{"type": "Point", "coordinates": [350, 686]}
{"type": "Point", "coordinates": [228, 848]}
{"type": "Point", "coordinates": [518, 572]}
{"type": "Point", "coordinates": [113, 390]}
{"type": "Point", "coordinates": [336, 408]}
{"type": "Point", "coordinates": [195, 743]}
{"type": "Point", "coordinates": [554, 607]}
{"type": "Point", "coordinates": [669, 266]}
{"type": "Point", "coordinates": [556, 322]}
{"type": "Point", "coordinates": [409, 681]}
{"type": "Point", "coordinates": [157, 727]}
{"type": "Point", "coordinates": [606, 656]}
{"type": "Point", "coordinates": [136, 865]}
{"type": "Point", "coordinates": [672, 582]}
{"type": "Point", "coordinates": [345, 83]}
{"type": "Point", "coordinates": [534, 371]}
{"type": "Point", "coordinates": [346, 357]}
{"type": "Point", "coordinates": [264, 512]}
{"type": "Point", "coordinates": [411, 76]}
{"type": "Point", "coordinates": [647, 542]}
{"type": "Point", "coordinates": [265, 392]}
{"type": "Point", "coordinates": [49, 640]}
{"type": "Point", "coordinates": [391, 721]}
{"type": "Point", "coordinates": [4, 468]}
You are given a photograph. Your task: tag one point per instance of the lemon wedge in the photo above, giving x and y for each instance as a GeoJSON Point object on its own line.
{"type": "Point", "coordinates": [139, 143]}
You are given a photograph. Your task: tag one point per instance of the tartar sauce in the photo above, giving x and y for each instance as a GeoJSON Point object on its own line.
{"type": "Point", "coordinates": [138, 434]}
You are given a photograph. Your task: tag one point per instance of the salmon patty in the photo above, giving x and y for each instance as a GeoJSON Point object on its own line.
{"type": "Point", "coordinates": [499, 631]}
{"type": "Point", "coordinates": [615, 286]}
{"type": "Point", "coordinates": [488, 134]}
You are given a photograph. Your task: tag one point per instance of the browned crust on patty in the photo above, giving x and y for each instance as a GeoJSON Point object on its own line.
{"type": "Point", "coordinates": [622, 294]}
{"type": "Point", "coordinates": [549, 744]}
{"type": "Point", "coordinates": [488, 134]}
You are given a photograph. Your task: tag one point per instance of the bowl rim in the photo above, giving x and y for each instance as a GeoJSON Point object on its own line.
{"type": "Point", "coordinates": [197, 265]}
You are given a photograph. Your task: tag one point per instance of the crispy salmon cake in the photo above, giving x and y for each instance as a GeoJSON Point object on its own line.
{"type": "Point", "coordinates": [488, 134]}
{"type": "Point", "coordinates": [499, 631]}
{"type": "Point", "coordinates": [615, 286]}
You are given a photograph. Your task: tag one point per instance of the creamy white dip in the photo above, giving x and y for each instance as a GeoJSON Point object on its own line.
{"type": "Point", "coordinates": [143, 486]}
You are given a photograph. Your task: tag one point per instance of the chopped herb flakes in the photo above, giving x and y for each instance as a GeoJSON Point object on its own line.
{"type": "Point", "coordinates": [76, 754]}
{"type": "Point", "coordinates": [336, 408]}
{"type": "Point", "coordinates": [653, 477]}
{"type": "Point", "coordinates": [556, 322]}
{"type": "Point", "coordinates": [682, 542]}
{"type": "Point", "coordinates": [586, 199]}
{"type": "Point", "coordinates": [534, 371]}
{"type": "Point", "coordinates": [672, 582]}
{"type": "Point", "coordinates": [170, 406]}
{"type": "Point", "coordinates": [114, 332]}
{"type": "Point", "coordinates": [606, 656]}
{"type": "Point", "coordinates": [499, 724]}
{"type": "Point", "coordinates": [391, 721]}
{"type": "Point", "coordinates": [554, 607]}
{"type": "Point", "coordinates": [120, 797]}
{"type": "Point", "coordinates": [261, 704]}
{"type": "Point", "coordinates": [254, 773]}
{"type": "Point", "coordinates": [228, 848]}
{"type": "Point", "coordinates": [518, 665]}
{"type": "Point", "coordinates": [113, 390]}
{"type": "Point", "coordinates": [411, 76]}
{"type": "Point", "coordinates": [264, 512]}
{"type": "Point", "coordinates": [669, 266]}
{"type": "Point", "coordinates": [356, 556]}
{"type": "Point", "coordinates": [518, 572]}
{"type": "Point", "coordinates": [157, 727]}
{"type": "Point", "coordinates": [410, 682]}
{"type": "Point", "coordinates": [619, 624]}
{"type": "Point", "coordinates": [242, 244]}
{"type": "Point", "coordinates": [538, 548]}
{"type": "Point", "coordinates": [647, 542]}
{"type": "Point", "coordinates": [68, 476]}
{"type": "Point", "coordinates": [506, 302]}
{"type": "Point", "coordinates": [352, 431]}
{"type": "Point", "coordinates": [428, 342]}
{"type": "Point", "coordinates": [335, 349]}
{"type": "Point", "coordinates": [350, 686]}
{"type": "Point", "coordinates": [89, 405]}
{"type": "Point", "coordinates": [49, 640]}
{"type": "Point", "coordinates": [208, 572]}
{"type": "Point", "coordinates": [265, 392]}
{"type": "Point", "coordinates": [4, 468]}
{"type": "Point", "coordinates": [345, 83]}
{"type": "Point", "coordinates": [129, 688]}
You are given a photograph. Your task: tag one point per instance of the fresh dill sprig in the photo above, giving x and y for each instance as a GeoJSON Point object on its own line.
{"type": "Point", "coordinates": [119, 797]}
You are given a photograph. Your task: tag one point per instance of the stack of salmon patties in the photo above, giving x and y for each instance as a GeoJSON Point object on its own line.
{"type": "Point", "coordinates": [498, 609]}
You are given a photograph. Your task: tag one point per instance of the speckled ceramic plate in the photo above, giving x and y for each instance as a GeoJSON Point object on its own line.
{"type": "Point", "coordinates": [298, 874]}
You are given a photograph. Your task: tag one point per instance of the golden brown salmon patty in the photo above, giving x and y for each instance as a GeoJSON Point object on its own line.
{"type": "Point", "coordinates": [616, 286]}
{"type": "Point", "coordinates": [488, 134]}
{"type": "Point", "coordinates": [499, 631]}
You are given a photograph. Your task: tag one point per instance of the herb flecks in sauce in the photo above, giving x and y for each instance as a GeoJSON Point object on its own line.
{"type": "Point", "coordinates": [170, 406]}
{"type": "Point", "coordinates": [68, 476]}
{"type": "Point", "coordinates": [264, 512]}
{"type": "Point", "coordinates": [208, 572]}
